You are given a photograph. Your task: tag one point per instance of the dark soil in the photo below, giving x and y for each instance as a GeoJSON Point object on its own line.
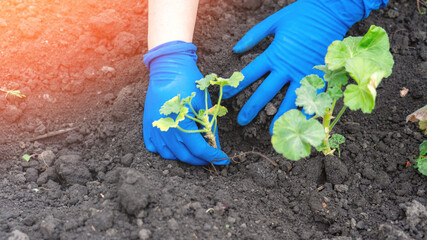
{"type": "Point", "coordinates": [80, 65]}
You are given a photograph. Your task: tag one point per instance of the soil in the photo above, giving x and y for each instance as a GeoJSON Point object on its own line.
{"type": "Point", "coordinates": [80, 65]}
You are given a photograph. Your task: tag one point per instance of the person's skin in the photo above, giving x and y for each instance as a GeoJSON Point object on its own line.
{"type": "Point", "coordinates": [171, 21]}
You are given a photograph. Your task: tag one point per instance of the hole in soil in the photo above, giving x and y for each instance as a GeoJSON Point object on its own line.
{"type": "Point", "coordinates": [322, 177]}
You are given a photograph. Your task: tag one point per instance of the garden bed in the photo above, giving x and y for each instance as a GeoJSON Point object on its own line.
{"type": "Point", "coordinates": [79, 63]}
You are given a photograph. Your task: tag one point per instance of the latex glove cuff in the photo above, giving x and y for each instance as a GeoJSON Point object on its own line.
{"type": "Point", "coordinates": [170, 49]}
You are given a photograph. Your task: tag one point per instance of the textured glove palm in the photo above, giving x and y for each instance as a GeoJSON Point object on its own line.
{"type": "Point", "coordinates": [173, 71]}
{"type": "Point", "coordinates": [303, 31]}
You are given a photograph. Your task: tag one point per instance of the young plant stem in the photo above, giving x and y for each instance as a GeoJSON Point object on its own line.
{"type": "Point", "coordinates": [212, 139]}
{"type": "Point", "coordinates": [194, 119]}
{"type": "Point", "coordinates": [206, 100]}
{"type": "Point", "coordinates": [217, 106]}
{"type": "Point", "coordinates": [192, 109]}
{"type": "Point", "coordinates": [191, 131]}
{"type": "Point", "coordinates": [338, 117]}
{"type": "Point", "coordinates": [217, 109]}
{"type": "Point", "coordinates": [326, 121]}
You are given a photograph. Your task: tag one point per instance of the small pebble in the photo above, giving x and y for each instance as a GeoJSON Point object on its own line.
{"type": "Point", "coordinates": [144, 234]}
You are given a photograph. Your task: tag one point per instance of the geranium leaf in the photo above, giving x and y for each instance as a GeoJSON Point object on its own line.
{"type": "Point", "coordinates": [221, 112]}
{"type": "Point", "coordinates": [181, 115]}
{"type": "Point", "coordinates": [423, 148]}
{"type": "Point", "coordinates": [233, 81]}
{"type": "Point", "coordinates": [360, 97]}
{"type": "Point", "coordinates": [340, 51]}
{"type": "Point", "coordinates": [293, 135]}
{"type": "Point", "coordinates": [334, 92]}
{"type": "Point", "coordinates": [205, 82]}
{"type": "Point", "coordinates": [336, 78]}
{"type": "Point", "coordinates": [189, 98]}
{"type": "Point", "coordinates": [422, 159]}
{"type": "Point", "coordinates": [312, 102]}
{"type": "Point", "coordinates": [336, 140]}
{"type": "Point", "coordinates": [173, 105]}
{"type": "Point", "coordinates": [314, 81]}
{"type": "Point", "coordinates": [367, 59]}
{"type": "Point", "coordinates": [164, 124]}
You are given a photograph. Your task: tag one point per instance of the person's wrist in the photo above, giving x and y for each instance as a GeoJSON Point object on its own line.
{"type": "Point", "coordinates": [169, 51]}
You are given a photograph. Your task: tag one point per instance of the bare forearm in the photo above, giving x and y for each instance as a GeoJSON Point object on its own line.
{"type": "Point", "coordinates": [171, 20]}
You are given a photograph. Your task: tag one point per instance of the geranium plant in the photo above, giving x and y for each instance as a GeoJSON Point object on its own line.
{"type": "Point", "coordinates": [421, 164]}
{"type": "Point", "coordinates": [366, 60]}
{"type": "Point", "coordinates": [206, 118]}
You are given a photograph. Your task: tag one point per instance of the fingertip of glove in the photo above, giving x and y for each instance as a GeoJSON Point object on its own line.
{"type": "Point", "coordinates": [242, 120]}
{"type": "Point", "coordinates": [236, 49]}
{"type": "Point", "coordinates": [240, 48]}
{"type": "Point", "coordinates": [223, 162]}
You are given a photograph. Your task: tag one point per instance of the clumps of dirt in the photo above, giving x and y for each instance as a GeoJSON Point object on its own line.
{"type": "Point", "coordinates": [336, 171]}
{"type": "Point", "coordinates": [134, 191]}
{"type": "Point", "coordinates": [70, 168]}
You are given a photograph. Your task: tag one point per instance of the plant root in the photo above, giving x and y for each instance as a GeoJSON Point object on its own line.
{"type": "Point", "coordinates": [241, 155]}
{"type": "Point", "coordinates": [52, 134]}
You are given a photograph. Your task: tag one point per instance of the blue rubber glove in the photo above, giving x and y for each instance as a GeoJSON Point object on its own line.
{"type": "Point", "coordinates": [303, 31]}
{"type": "Point", "coordinates": [173, 71]}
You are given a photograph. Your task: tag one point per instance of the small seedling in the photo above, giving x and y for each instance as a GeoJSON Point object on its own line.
{"type": "Point", "coordinates": [27, 157]}
{"type": "Point", "coordinates": [421, 116]}
{"type": "Point", "coordinates": [16, 93]}
{"type": "Point", "coordinates": [422, 159]}
{"type": "Point", "coordinates": [207, 118]}
{"type": "Point", "coordinates": [367, 60]}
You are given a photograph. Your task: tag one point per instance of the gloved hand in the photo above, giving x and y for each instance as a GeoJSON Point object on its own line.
{"type": "Point", "coordinates": [303, 31]}
{"type": "Point", "coordinates": [173, 71]}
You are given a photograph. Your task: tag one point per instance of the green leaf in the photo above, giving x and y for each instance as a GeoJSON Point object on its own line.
{"type": "Point", "coordinates": [164, 124]}
{"type": "Point", "coordinates": [322, 68]}
{"type": "Point", "coordinates": [336, 78]}
{"type": "Point", "coordinates": [334, 92]}
{"type": "Point", "coordinates": [181, 115]}
{"type": "Point", "coordinates": [314, 81]}
{"type": "Point", "coordinates": [233, 81]}
{"type": "Point", "coordinates": [173, 105]}
{"type": "Point", "coordinates": [360, 97]}
{"type": "Point", "coordinates": [340, 51]}
{"type": "Point", "coordinates": [367, 59]}
{"type": "Point", "coordinates": [423, 148]}
{"type": "Point", "coordinates": [364, 72]}
{"type": "Point", "coordinates": [423, 126]}
{"type": "Point", "coordinates": [200, 114]}
{"type": "Point", "coordinates": [221, 112]}
{"type": "Point", "coordinates": [205, 82]}
{"type": "Point", "coordinates": [189, 98]}
{"type": "Point", "coordinates": [421, 164]}
{"type": "Point", "coordinates": [336, 140]}
{"type": "Point", "coordinates": [26, 157]}
{"type": "Point", "coordinates": [312, 102]}
{"type": "Point", "coordinates": [293, 135]}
